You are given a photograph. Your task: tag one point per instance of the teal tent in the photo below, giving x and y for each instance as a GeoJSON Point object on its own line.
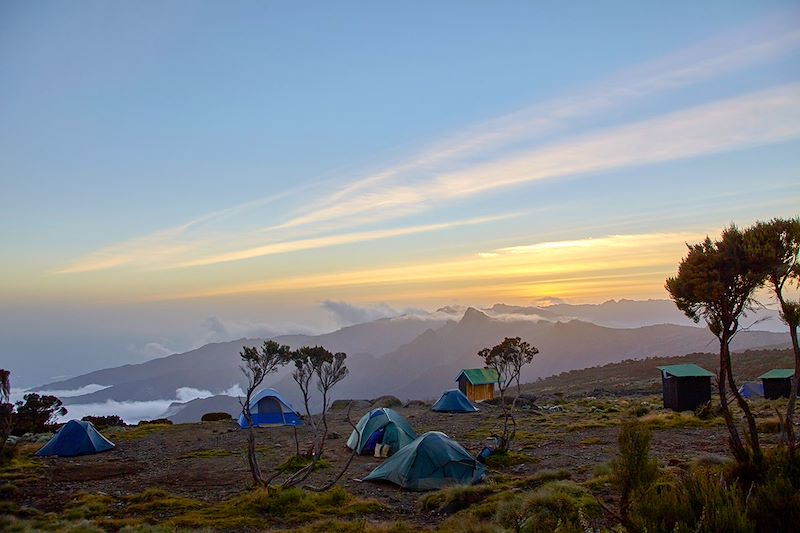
{"type": "Point", "coordinates": [76, 437]}
{"type": "Point", "coordinates": [431, 462]}
{"type": "Point", "coordinates": [454, 401]}
{"type": "Point", "coordinates": [381, 426]}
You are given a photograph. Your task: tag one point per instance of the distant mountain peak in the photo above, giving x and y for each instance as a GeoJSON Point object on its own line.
{"type": "Point", "coordinates": [473, 315]}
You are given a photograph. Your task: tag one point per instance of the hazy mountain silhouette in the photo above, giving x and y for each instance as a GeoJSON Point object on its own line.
{"type": "Point", "coordinates": [414, 357]}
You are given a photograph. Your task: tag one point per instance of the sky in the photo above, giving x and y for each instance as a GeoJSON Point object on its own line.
{"type": "Point", "coordinates": [176, 173]}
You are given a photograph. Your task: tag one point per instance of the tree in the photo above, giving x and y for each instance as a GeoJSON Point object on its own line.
{"type": "Point", "coordinates": [331, 371]}
{"type": "Point", "coordinates": [507, 359]}
{"type": "Point", "coordinates": [328, 369]}
{"type": "Point", "coordinates": [715, 282]}
{"type": "Point", "coordinates": [36, 413]}
{"type": "Point", "coordinates": [6, 409]}
{"type": "Point", "coordinates": [258, 364]}
{"type": "Point", "coordinates": [774, 246]}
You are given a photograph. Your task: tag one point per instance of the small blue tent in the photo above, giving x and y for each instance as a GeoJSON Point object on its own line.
{"type": "Point", "coordinates": [454, 401]}
{"type": "Point", "coordinates": [268, 408]}
{"type": "Point", "coordinates": [381, 426]}
{"type": "Point", "coordinates": [76, 437]}
{"type": "Point", "coordinates": [752, 390]}
{"type": "Point", "coordinates": [431, 462]}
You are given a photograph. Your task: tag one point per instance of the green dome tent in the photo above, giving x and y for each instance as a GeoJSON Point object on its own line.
{"type": "Point", "coordinates": [431, 462]}
{"type": "Point", "coordinates": [381, 426]}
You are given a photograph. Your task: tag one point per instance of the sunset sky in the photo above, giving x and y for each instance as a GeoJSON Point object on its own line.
{"type": "Point", "coordinates": [179, 172]}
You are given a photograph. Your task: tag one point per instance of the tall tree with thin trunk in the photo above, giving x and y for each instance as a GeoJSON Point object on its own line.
{"type": "Point", "coordinates": [330, 372]}
{"type": "Point", "coordinates": [715, 282]}
{"type": "Point", "coordinates": [256, 365]}
{"type": "Point", "coordinates": [328, 369]}
{"type": "Point", "coordinates": [306, 360]}
{"type": "Point", "coordinates": [775, 246]}
{"type": "Point", "coordinates": [507, 359]}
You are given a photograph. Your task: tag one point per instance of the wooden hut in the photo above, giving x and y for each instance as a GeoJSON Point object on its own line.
{"type": "Point", "coordinates": [777, 383]}
{"type": "Point", "coordinates": [686, 387]}
{"type": "Point", "coordinates": [477, 383]}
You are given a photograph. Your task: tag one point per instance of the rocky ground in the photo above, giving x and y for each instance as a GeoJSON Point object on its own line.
{"type": "Point", "coordinates": [207, 462]}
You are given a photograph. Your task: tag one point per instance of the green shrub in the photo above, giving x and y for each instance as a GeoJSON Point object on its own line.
{"type": "Point", "coordinates": [452, 499]}
{"type": "Point", "coordinates": [770, 425]}
{"type": "Point", "coordinates": [541, 477]}
{"type": "Point", "coordinates": [664, 506]}
{"type": "Point", "coordinates": [702, 502]}
{"type": "Point", "coordinates": [507, 458]}
{"type": "Point", "coordinates": [512, 513]}
{"type": "Point", "coordinates": [705, 411]}
{"type": "Point", "coordinates": [86, 505]}
{"type": "Point", "coordinates": [559, 506]}
{"type": "Point", "coordinates": [156, 421]}
{"type": "Point", "coordinates": [633, 470]}
{"type": "Point", "coordinates": [207, 454]}
{"type": "Point", "coordinates": [7, 490]}
{"type": "Point", "coordinates": [101, 422]}
{"type": "Point", "coordinates": [775, 506]}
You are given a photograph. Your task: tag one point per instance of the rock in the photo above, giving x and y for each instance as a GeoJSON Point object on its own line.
{"type": "Point", "coordinates": [353, 405]}
{"type": "Point", "coordinates": [387, 401]}
{"type": "Point", "coordinates": [333, 436]}
{"type": "Point", "coordinates": [416, 403]}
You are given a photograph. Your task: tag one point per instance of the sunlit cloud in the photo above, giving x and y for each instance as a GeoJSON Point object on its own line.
{"type": "Point", "coordinates": [551, 265]}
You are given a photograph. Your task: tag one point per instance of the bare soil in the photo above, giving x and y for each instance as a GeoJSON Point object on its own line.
{"type": "Point", "coordinates": [206, 461]}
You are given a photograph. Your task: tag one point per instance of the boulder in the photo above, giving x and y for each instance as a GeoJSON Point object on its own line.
{"type": "Point", "coordinates": [387, 401]}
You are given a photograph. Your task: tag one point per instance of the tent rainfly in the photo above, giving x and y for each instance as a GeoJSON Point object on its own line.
{"type": "Point", "coordinates": [381, 426]}
{"type": "Point", "coordinates": [777, 383]}
{"type": "Point", "coordinates": [430, 462]}
{"type": "Point", "coordinates": [76, 437]}
{"type": "Point", "coordinates": [477, 383]}
{"type": "Point", "coordinates": [268, 408]}
{"type": "Point", "coordinates": [685, 387]}
{"type": "Point", "coordinates": [454, 401]}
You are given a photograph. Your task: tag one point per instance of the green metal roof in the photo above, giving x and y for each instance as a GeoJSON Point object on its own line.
{"type": "Point", "coordinates": [690, 370]}
{"type": "Point", "coordinates": [778, 373]}
{"type": "Point", "coordinates": [480, 376]}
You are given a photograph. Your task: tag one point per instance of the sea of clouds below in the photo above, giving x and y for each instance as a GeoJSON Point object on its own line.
{"type": "Point", "coordinates": [130, 412]}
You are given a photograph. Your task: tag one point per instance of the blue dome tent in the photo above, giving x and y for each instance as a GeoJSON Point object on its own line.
{"type": "Point", "coordinates": [431, 462]}
{"type": "Point", "coordinates": [752, 390]}
{"type": "Point", "coordinates": [269, 408]}
{"type": "Point", "coordinates": [381, 426]}
{"type": "Point", "coordinates": [76, 437]}
{"type": "Point", "coordinates": [454, 401]}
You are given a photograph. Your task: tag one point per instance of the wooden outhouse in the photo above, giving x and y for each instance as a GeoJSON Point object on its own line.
{"type": "Point", "coordinates": [777, 383]}
{"type": "Point", "coordinates": [685, 387]}
{"type": "Point", "coordinates": [478, 383]}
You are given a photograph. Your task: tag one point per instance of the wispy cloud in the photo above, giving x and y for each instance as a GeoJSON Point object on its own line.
{"type": "Point", "coordinates": [546, 264]}
{"type": "Point", "coordinates": [336, 240]}
{"type": "Point", "coordinates": [519, 148]}
{"type": "Point", "coordinates": [376, 198]}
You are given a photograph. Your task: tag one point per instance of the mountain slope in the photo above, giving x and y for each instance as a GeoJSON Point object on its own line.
{"type": "Point", "coordinates": [420, 368]}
